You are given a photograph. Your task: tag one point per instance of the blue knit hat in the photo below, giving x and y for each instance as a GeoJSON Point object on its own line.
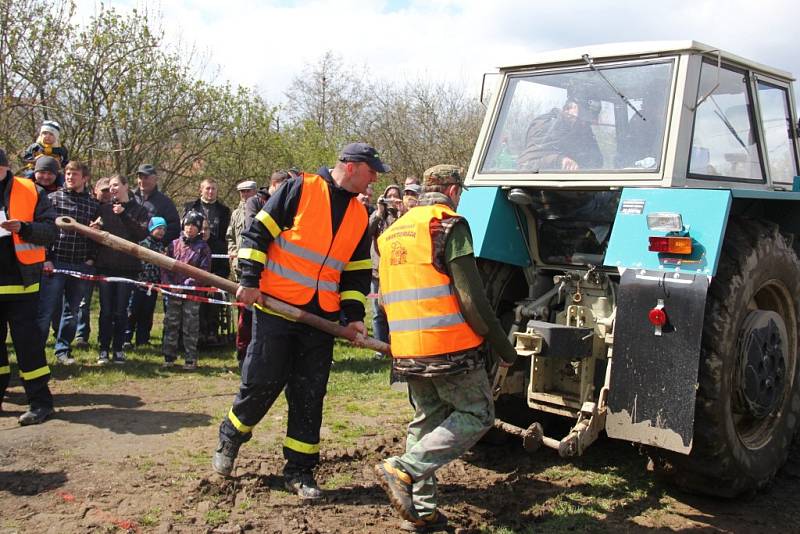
{"type": "Point", "coordinates": [155, 222]}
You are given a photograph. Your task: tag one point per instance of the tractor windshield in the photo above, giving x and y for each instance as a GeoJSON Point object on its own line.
{"type": "Point", "coordinates": [578, 120]}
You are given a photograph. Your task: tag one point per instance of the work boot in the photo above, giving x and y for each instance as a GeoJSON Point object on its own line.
{"type": "Point", "coordinates": [430, 523]}
{"type": "Point", "coordinates": [303, 485]}
{"type": "Point", "coordinates": [224, 457]}
{"type": "Point", "coordinates": [398, 486]}
{"type": "Point", "coordinates": [34, 416]}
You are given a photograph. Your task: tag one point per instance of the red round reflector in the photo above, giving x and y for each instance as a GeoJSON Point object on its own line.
{"type": "Point", "coordinates": [657, 317]}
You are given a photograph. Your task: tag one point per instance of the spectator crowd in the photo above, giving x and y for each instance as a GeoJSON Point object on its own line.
{"type": "Point", "coordinates": [204, 233]}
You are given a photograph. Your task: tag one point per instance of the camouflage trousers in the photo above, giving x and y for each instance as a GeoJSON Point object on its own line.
{"type": "Point", "coordinates": [183, 316]}
{"type": "Point", "coordinates": [452, 413]}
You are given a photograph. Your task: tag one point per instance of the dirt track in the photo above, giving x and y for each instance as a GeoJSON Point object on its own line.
{"type": "Point", "coordinates": [139, 460]}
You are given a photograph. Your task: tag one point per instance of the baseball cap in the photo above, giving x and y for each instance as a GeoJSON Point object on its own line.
{"type": "Point", "coordinates": [46, 163]}
{"type": "Point", "coordinates": [146, 169]}
{"type": "Point", "coordinates": [442, 175]}
{"type": "Point", "coordinates": [246, 185]}
{"type": "Point", "coordinates": [413, 189]}
{"type": "Point", "coordinates": [367, 154]}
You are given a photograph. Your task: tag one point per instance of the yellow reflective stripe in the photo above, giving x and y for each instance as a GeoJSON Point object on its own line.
{"type": "Point", "coordinates": [252, 254]}
{"type": "Point", "coordinates": [269, 223]}
{"type": "Point", "coordinates": [299, 446]}
{"type": "Point", "coordinates": [354, 295]}
{"type": "Point", "coordinates": [241, 427]}
{"type": "Point", "coordinates": [358, 265]}
{"type": "Point", "coordinates": [19, 290]}
{"type": "Point", "coordinates": [5, 370]}
{"type": "Point", "coordinates": [267, 310]}
{"type": "Point", "coordinates": [30, 375]}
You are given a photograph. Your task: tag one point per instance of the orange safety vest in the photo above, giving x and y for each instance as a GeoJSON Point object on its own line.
{"type": "Point", "coordinates": [421, 306]}
{"type": "Point", "coordinates": [23, 199]}
{"type": "Point", "coordinates": [307, 258]}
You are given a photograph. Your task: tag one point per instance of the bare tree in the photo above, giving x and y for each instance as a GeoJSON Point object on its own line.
{"type": "Point", "coordinates": [421, 124]}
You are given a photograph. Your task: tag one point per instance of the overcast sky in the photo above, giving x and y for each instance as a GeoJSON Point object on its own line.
{"type": "Point", "coordinates": [266, 43]}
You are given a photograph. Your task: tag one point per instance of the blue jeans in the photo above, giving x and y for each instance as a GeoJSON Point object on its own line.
{"type": "Point", "coordinates": [380, 325]}
{"type": "Point", "coordinates": [85, 312]}
{"type": "Point", "coordinates": [54, 290]}
{"type": "Point", "coordinates": [113, 314]}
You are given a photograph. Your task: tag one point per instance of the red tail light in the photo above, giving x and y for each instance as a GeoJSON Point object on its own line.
{"type": "Point", "coordinates": [672, 245]}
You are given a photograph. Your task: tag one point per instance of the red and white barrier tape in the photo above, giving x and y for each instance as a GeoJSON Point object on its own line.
{"type": "Point", "coordinates": [162, 288]}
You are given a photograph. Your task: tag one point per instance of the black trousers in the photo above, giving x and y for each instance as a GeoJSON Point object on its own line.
{"type": "Point", "coordinates": [282, 354]}
{"type": "Point", "coordinates": [20, 317]}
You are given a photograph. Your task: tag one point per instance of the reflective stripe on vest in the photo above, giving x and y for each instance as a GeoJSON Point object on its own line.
{"type": "Point", "coordinates": [421, 306]}
{"type": "Point", "coordinates": [23, 199]}
{"type": "Point", "coordinates": [307, 258]}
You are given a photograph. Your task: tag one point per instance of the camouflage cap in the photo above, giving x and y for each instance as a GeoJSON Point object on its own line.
{"type": "Point", "coordinates": [442, 175]}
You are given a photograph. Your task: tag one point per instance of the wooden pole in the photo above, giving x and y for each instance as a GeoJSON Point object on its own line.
{"type": "Point", "coordinates": [205, 277]}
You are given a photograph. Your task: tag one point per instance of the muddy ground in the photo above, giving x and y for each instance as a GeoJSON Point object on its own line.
{"type": "Point", "coordinates": [138, 460]}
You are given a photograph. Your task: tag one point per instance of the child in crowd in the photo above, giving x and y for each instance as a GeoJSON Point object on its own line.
{"type": "Point", "coordinates": [140, 318]}
{"type": "Point", "coordinates": [47, 144]}
{"type": "Point", "coordinates": [183, 315]}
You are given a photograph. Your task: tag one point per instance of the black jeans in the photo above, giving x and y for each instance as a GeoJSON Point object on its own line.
{"type": "Point", "coordinates": [20, 316]}
{"type": "Point", "coordinates": [113, 314]}
{"type": "Point", "coordinates": [140, 320]}
{"type": "Point", "coordinates": [284, 354]}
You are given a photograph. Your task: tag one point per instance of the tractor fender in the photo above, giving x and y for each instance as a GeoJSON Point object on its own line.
{"type": "Point", "coordinates": [654, 371]}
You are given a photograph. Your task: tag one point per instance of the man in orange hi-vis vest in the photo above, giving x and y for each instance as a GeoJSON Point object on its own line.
{"type": "Point", "coordinates": [26, 227]}
{"type": "Point", "coordinates": [438, 317]}
{"type": "Point", "coordinates": [308, 246]}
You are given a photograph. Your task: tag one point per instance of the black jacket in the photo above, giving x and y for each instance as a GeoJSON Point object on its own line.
{"type": "Point", "coordinates": [130, 225]}
{"type": "Point", "coordinates": [160, 205]}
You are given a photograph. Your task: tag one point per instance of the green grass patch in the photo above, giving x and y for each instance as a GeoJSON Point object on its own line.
{"type": "Point", "coordinates": [150, 518]}
{"type": "Point", "coordinates": [216, 517]}
{"type": "Point", "coordinates": [338, 480]}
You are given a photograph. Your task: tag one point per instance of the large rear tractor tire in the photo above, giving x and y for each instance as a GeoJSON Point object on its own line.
{"type": "Point", "coordinates": [748, 401]}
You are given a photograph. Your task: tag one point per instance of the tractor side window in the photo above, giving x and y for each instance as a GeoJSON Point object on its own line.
{"type": "Point", "coordinates": [777, 124]}
{"type": "Point", "coordinates": [724, 141]}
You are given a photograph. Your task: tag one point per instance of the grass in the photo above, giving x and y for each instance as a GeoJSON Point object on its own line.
{"type": "Point", "coordinates": [338, 480]}
{"type": "Point", "coordinates": [151, 518]}
{"type": "Point", "coordinates": [216, 517]}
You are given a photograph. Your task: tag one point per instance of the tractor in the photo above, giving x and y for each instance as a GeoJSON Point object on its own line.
{"type": "Point", "coordinates": [634, 210]}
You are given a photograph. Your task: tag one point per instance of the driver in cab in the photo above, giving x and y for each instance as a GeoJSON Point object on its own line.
{"type": "Point", "coordinates": [562, 139]}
